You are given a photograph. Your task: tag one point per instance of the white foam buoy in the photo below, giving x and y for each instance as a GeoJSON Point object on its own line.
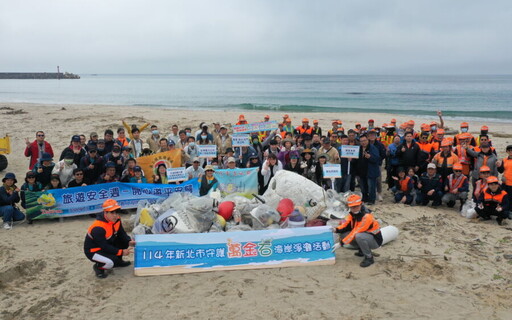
{"type": "Point", "coordinates": [389, 233]}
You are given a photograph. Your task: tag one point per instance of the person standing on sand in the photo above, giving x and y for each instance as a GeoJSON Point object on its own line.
{"type": "Point", "coordinates": [360, 230]}
{"type": "Point", "coordinates": [35, 149]}
{"type": "Point", "coordinates": [9, 196]}
{"type": "Point", "coordinates": [106, 241]}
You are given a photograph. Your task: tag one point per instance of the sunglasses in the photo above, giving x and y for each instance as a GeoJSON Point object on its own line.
{"type": "Point", "coordinates": [457, 170]}
{"type": "Point", "coordinates": [79, 174]}
{"type": "Point", "coordinates": [116, 212]}
{"type": "Point", "coordinates": [40, 135]}
{"type": "Point", "coordinates": [493, 183]}
{"type": "Point", "coordinates": [31, 177]}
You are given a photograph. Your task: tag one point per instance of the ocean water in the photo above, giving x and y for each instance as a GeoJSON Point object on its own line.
{"type": "Point", "coordinates": [463, 97]}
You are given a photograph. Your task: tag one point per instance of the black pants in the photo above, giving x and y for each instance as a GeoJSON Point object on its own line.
{"type": "Point", "coordinates": [487, 212]}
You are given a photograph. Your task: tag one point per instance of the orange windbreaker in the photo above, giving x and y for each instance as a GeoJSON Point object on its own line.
{"type": "Point", "coordinates": [366, 224]}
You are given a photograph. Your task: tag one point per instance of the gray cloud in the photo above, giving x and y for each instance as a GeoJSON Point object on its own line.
{"type": "Point", "coordinates": [292, 37]}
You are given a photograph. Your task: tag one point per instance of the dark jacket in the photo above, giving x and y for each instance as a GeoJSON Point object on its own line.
{"type": "Point", "coordinates": [7, 199]}
{"type": "Point", "coordinates": [428, 183]}
{"type": "Point", "coordinates": [43, 177]}
{"type": "Point", "coordinates": [96, 238]}
{"type": "Point", "coordinates": [411, 156]}
{"type": "Point", "coordinates": [92, 175]}
{"type": "Point", "coordinates": [369, 167]}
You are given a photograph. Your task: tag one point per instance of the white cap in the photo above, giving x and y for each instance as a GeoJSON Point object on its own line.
{"type": "Point", "coordinates": [431, 166]}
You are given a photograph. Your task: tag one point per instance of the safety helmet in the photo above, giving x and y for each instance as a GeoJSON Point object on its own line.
{"type": "Point", "coordinates": [305, 120]}
{"type": "Point", "coordinates": [445, 143]}
{"type": "Point", "coordinates": [492, 179]}
{"type": "Point", "coordinates": [485, 169]}
{"type": "Point", "coordinates": [354, 200]}
{"type": "Point", "coordinates": [464, 125]}
{"type": "Point", "coordinates": [110, 205]}
{"type": "Point", "coordinates": [457, 166]}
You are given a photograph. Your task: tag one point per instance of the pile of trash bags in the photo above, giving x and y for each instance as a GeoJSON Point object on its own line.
{"type": "Point", "coordinates": [291, 201]}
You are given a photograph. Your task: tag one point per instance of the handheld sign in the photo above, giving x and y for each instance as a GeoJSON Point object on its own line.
{"type": "Point", "coordinates": [351, 152]}
{"type": "Point", "coordinates": [158, 254]}
{"type": "Point", "coordinates": [255, 127]}
{"type": "Point", "coordinates": [207, 151]}
{"type": "Point", "coordinates": [176, 174]}
{"type": "Point", "coordinates": [331, 171]}
{"type": "Point", "coordinates": [241, 140]}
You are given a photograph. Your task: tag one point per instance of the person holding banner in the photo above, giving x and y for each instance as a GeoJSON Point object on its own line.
{"type": "Point", "coordinates": [208, 181]}
{"type": "Point", "coordinates": [194, 171]}
{"type": "Point", "coordinates": [360, 230]}
{"type": "Point", "coordinates": [106, 241]}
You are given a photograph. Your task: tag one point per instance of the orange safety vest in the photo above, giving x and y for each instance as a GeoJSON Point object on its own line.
{"type": "Point", "coordinates": [507, 173]}
{"type": "Point", "coordinates": [450, 161]}
{"type": "Point", "coordinates": [124, 142]}
{"type": "Point", "coordinates": [462, 154]}
{"type": "Point", "coordinates": [367, 224]}
{"type": "Point", "coordinates": [303, 130]}
{"type": "Point", "coordinates": [498, 198]}
{"type": "Point", "coordinates": [111, 229]}
{"type": "Point", "coordinates": [455, 183]}
{"type": "Point", "coordinates": [404, 184]}
{"type": "Point", "coordinates": [480, 186]}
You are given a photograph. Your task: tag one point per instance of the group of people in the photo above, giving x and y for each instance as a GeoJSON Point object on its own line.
{"type": "Point", "coordinates": [422, 165]}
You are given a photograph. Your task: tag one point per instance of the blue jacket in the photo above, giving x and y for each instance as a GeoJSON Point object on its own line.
{"type": "Point", "coordinates": [8, 199]}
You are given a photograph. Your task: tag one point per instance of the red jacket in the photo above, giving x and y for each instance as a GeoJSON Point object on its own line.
{"type": "Point", "coordinates": [32, 151]}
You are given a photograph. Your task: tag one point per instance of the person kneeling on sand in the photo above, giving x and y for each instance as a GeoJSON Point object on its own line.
{"type": "Point", "coordinates": [106, 241]}
{"type": "Point", "coordinates": [493, 202]}
{"type": "Point", "coordinates": [360, 230]}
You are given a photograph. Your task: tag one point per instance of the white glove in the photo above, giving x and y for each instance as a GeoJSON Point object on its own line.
{"type": "Point", "coordinates": [303, 165]}
{"type": "Point", "coordinates": [313, 169]}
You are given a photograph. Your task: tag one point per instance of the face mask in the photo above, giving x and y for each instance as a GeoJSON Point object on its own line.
{"type": "Point", "coordinates": [464, 129]}
{"type": "Point", "coordinates": [370, 127]}
{"type": "Point", "coordinates": [101, 149]}
{"type": "Point", "coordinates": [68, 161]}
{"type": "Point", "coordinates": [204, 137]}
{"type": "Point", "coordinates": [155, 132]}
{"type": "Point", "coordinates": [433, 128]}
{"type": "Point", "coordinates": [192, 145]}
{"type": "Point", "coordinates": [188, 134]}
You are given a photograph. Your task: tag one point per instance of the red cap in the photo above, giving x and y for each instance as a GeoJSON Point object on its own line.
{"type": "Point", "coordinates": [266, 117]}
{"type": "Point", "coordinates": [315, 121]}
{"type": "Point", "coordinates": [305, 120]}
{"type": "Point", "coordinates": [433, 123]}
{"type": "Point", "coordinates": [484, 128]}
{"type": "Point", "coordinates": [464, 125]}
{"type": "Point", "coordinates": [241, 117]}
{"type": "Point", "coordinates": [371, 120]}
{"type": "Point", "coordinates": [393, 120]}
{"type": "Point", "coordinates": [288, 120]}
{"type": "Point", "coordinates": [285, 116]}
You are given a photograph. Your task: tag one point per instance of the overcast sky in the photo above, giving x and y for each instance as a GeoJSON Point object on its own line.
{"type": "Point", "coordinates": [257, 37]}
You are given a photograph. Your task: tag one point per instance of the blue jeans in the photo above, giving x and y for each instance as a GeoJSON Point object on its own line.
{"type": "Point", "coordinates": [343, 183]}
{"type": "Point", "coordinates": [10, 213]}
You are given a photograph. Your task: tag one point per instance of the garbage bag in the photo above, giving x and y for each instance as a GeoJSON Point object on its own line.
{"type": "Point", "coordinates": [302, 191]}
{"type": "Point", "coordinates": [263, 216]}
{"type": "Point", "coordinates": [468, 210]}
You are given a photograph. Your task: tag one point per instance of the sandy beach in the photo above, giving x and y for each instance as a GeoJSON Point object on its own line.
{"type": "Point", "coordinates": [442, 266]}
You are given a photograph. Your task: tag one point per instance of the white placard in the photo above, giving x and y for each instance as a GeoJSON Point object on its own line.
{"type": "Point", "coordinates": [207, 151]}
{"type": "Point", "coordinates": [351, 152]}
{"type": "Point", "coordinates": [241, 140]}
{"type": "Point", "coordinates": [331, 171]}
{"type": "Point", "coordinates": [255, 127]}
{"type": "Point", "coordinates": [176, 174]}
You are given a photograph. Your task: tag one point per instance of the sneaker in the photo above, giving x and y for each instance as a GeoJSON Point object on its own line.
{"type": "Point", "coordinates": [499, 220]}
{"type": "Point", "coordinates": [359, 253]}
{"type": "Point", "coordinates": [100, 273]}
{"type": "Point", "coordinates": [123, 263]}
{"type": "Point", "coordinates": [7, 226]}
{"type": "Point", "coordinates": [366, 262]}
{"type": "Point", "coordinates": [379, 196]}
